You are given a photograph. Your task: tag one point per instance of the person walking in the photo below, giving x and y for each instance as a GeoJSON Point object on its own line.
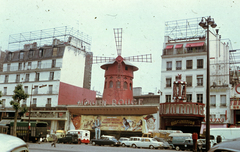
{"type": "Point", "coordinates": [54, 140]}
{"type": "Point", "coordinates": [97, 128]}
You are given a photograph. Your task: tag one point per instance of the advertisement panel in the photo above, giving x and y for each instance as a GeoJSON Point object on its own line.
{"type": "Point", "coordinates": [142, 123]}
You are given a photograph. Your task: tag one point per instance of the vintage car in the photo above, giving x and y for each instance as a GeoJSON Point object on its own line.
{"type": "Point", "coordinates": [150, 143]}
{"type": "Point", "coordinates": [188, 145]}
{"type": "Point", "coordinates": [231, 145]}
{"type": "Point", "coordinates": [12, 143]}
{"type": "Point", "coordinates": [106, 140]}
{"type": "Point", "coordinates": [69, 138]}
{"type": "Point", "coordinates": [165, 143]}
{"type": "Point", "coordinates": [123, 141]}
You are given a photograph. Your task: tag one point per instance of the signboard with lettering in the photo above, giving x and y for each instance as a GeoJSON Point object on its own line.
{"type": "Point", "coordinates": [235, 105]}
{"type": "Point", "coordinates": [142, 123]}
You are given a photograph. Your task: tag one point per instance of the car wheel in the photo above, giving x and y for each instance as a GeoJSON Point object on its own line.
{"type": "Point", "coordinates": [177, 148]}
{"type": "Point", "coordinates": [134, 146]}
{"type": "Point", "coordinates": [93, 143]}
{"type": "Point", "coordinates": [151, 147]}
{"type": "Point", "coordinates": [123, 145]}
{"type": "Point", "coordinates": [170, 147]}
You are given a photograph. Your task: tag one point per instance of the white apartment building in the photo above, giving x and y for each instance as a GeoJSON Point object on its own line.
{"type": "Point", "coordinates": [42, 70]}
{"type": "Point", "coordinates": [186, 54]}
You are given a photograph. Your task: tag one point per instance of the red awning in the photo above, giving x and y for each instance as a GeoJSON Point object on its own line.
{"type": "Point", "coordinates": [169, 47]}
{"type": "Point", "coordinates": [178, 46]}
{"type": "Point", "coordinates": [194, 44]}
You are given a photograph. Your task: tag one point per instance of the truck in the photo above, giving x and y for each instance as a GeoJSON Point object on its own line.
{"type": "Point", "coordinates": [37, 130]}
{"type": "Point", "coordinates": [160, 133]}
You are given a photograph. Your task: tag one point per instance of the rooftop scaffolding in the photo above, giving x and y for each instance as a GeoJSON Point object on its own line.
{"type": "Point", "coordinates": [185, 29]}
{"type": "Point", "coordinates": [46, 36]}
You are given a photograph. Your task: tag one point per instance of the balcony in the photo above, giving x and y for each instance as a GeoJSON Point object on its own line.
{"type": "Point", "coordinates": [182, 109]}
{"type": "Point", "coordinates": [182, 51]}
{"type": "Point", "coordinates": [48, 105]}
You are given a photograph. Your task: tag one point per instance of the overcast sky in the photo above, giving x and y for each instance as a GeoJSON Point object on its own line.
{"type": "Point", "coordinates": [142, 22]}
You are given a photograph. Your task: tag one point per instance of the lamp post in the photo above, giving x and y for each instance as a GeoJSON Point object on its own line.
{"type": "Point", "coordinates": [205, 23]}
{"type": "Point", "coordinates": [29, 115]}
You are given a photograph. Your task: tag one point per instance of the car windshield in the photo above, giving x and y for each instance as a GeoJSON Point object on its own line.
{"type": "Point", "coordinates": [154, 140]}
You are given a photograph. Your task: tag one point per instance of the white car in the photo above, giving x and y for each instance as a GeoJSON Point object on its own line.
{"type": "Point", "coordinates": [149, 143]}
{"type": "Point", "coordinates": [131, 142]}
{"type": "Point", "coordinates": [123, 141]}
{"type": "Point", "coordinates": [12, 143]}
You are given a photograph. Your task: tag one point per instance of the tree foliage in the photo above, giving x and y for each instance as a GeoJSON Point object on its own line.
{"type": "Point", "coordinates": [18, 95]}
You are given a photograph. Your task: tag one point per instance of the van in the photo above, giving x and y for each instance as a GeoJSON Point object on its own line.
{"type": "Point", "coordinates": [225, 133]}
{"type": "Point", "coordinates": [178, 138]}
{"type": "Point", "coordinates": [83, 135]}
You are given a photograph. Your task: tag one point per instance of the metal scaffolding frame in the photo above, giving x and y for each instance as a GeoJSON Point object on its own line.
{"type": "Point", "coordinates": [46, 36]}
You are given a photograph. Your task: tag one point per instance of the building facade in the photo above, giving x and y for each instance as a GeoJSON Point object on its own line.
{"type": "Point", "coordinates": [185, 53]}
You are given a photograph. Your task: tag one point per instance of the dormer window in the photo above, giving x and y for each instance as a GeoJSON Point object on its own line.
{"type": "Point", "coordinates": [30, 55]}
{"type": "Point", "coordinates": [40, 53]}
{"type": "Point", "coordinates": [9, 56]}
{"type": "Point", "coordinates": [21, 55]}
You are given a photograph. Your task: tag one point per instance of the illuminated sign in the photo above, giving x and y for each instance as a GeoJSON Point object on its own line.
{"type": "Point", "coordinates": [114, 102]}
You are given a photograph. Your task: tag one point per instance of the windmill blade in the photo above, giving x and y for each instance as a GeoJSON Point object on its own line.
{"type": "Point", "coordinates": [100, 59]}
{"type": "Point", "coordinates": [140, 58]}
{"type": "Point", "coordinates": [118, 40]}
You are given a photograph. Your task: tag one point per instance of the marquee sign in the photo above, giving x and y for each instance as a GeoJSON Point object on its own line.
{"type": "Point", "coordinates": [114, 102]}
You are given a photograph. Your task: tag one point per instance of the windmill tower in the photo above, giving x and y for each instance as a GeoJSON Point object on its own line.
{"type": "Point", "coordinates": [119, 72]}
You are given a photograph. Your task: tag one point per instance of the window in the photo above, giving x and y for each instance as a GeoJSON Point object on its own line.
{"type": "Point", "coordinates": [200, 63]}
{"type": "Point", "coordinates": [21, 55]}
{"type": "Point", "coordinates": [55, 51]}
{"type": "Point", "coordinates": [105, 85]}
{"type": "Point", "coordinates": [212, 116]}
{"type": "Point", "coordinates": [51, 77]}
{"type": "Point", "coordinates": [37, 76]}
{"type": "Point", "coordinates": [35, 101]}
{"type": "Point", "coordinates": [189, 97]}
{"type": "Point", "coordinates": [168, 82]}
{"type": "Point", "coordinates": [27, 78]}
{"type": "Point", "coordinates": [53, 63]}
{"type": "Point", "coordinates": [169, 65]}
{"type": "Point", "coordinates": [168, 98]}
{"type": "Point", "coordinates": [24, 102]}
{"type": "Point", "coordinates": [9, 56]}
{"type": "Point", "coordinates": [35, 89]}
{"type": "Point", "coordinates": [189, 64]}
{"type": "Point", "coordinates": [199, 80]}
{"type": "Point", "coordinates": [8, 67]}
{"type": "Point", "coordinates": [125, 85]}
{"type": "Point", "coordinates": [222, 116]}
{"type": "Point", "coordinates": [5, 91]}
{"type": "Point", "coordinates": [39, 64]}
{"type": "Point", "coordinates": [189, 81]}
{"type": "Point", "coordinates": [19, 66]}
{"type": "Point", "coordinates": [26, 89]}
{"type": "Point", "coordinates": [29, 65]}
{"type": "Point", "coordinates": [30, 54]}
{"type": "Point", "coordinates": [110, 84]}
{"type": "Point", "coordinates": [6, 79]}
{"type": "Point", "coordinates": [178, 65]}
{"type": "Point", "coordinates": [130, 86]}
{"type": "Point", "coordinates": [126, 68]}
{"type": "Point", "coordinates": [3, 103]}
{"type": "Point", "coordinates": [213, 100]}
{"type": "Point", "coordinates": [17, 78]}
{"type": "Point", "coordinates": [40, 53]}
{"type": "Point", "coordinates": [223, 100]}
{"type": "Point", "coordinates": [50, 89]}
{"type": "Point", "coordinates": [200, 98]}
{"type": "Point", "coordinates": [118, 84]}
{"type": "Point", "coordinates": [48, 100]}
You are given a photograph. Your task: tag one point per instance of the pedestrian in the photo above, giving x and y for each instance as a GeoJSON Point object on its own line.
{"type": "Point", "coordinates": [54, 140]}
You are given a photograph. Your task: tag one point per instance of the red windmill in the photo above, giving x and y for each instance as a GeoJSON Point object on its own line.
{"type": "Point", "coordinates": [119, 73]}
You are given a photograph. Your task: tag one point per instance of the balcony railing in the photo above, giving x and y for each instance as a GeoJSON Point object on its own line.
{"type": "Point", "coordinates": [32, 67]}
{"type": "Point", "coordinates": [182, 108]}
{"type": "Point", "coordinates": [185, 51]}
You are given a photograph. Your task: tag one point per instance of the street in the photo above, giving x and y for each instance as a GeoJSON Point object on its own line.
{"type": "Point", "coordinates": [46, 147]}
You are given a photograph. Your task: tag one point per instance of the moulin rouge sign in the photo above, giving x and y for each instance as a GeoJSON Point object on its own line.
{"type": "Point", "coordinates": [114, 102]}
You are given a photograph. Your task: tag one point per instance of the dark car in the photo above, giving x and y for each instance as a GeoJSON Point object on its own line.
{"type": "Point", "coordinates": [187, 145]}
{"type": "Point", "coordinates": [69, 138]}
{"type": "Point", "coordinates": [106, 140]}
{"type": "Point", "coordinates": [230, 146]}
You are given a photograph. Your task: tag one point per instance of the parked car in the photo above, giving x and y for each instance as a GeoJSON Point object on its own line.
{"type": "Point", "coordinates": [187, 145]}
{"type": "Point", "coordinates": [165, 143]}
{"type": "Point", "coordinates": [106, 140]}
{"type": "Point", "coordinates": [123, 140]}
{"type": "Point", "coordinates": [133, 141]}
{"type": "Point", "coordinates": [69, 138]}
{"type": "Point", "coordinates": [230, 146]}
{"type": "Point", "coordinates": [12, 143]}
{"type": "Point", "coordinates": [149, 143]}
{"type": "Point", "coordinates": [178, 138]}
{"type": "Point", "coordinates": [49, 138]}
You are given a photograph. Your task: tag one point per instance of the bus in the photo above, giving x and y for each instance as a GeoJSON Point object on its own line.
{"type": "Point", "coordinates": [83, 135]}
{"type": "Point", "coordinates": [37, 130]}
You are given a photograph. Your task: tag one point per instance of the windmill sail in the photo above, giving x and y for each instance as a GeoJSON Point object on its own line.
{"type": "Point", "coordinates": [140, 58]}
{"type": "Point", "coordinates": [118, 40]}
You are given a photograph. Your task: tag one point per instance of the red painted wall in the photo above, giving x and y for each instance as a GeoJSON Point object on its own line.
{"type": "Point", "coordinates": [70, 94]}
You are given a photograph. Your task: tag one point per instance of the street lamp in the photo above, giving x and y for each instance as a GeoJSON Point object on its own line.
{"type": "Point", "coordinates": [205, 23]}
{"type": "Point", "coordinates": [29, 115]}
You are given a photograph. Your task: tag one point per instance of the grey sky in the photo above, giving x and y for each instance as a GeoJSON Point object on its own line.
{"type": "Point", "coordinates": [142, 22]}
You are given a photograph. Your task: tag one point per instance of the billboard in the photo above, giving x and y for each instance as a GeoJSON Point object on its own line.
{"type": "Point", "coordinates": [142, 123]}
